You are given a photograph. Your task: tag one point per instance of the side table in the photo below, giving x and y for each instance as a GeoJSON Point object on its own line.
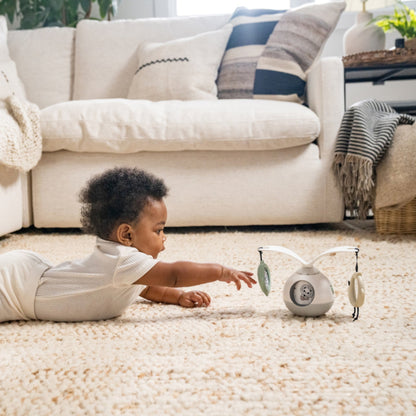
{"type": "Point", "coordinates": [380, 73]}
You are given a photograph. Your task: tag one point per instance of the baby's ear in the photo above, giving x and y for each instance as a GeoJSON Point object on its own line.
{"type": "Point", "coordinates": [124, 234]}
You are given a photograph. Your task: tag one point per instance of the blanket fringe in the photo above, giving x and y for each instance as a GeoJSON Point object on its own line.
{"type": "Point", "coordinates": [356, 177]}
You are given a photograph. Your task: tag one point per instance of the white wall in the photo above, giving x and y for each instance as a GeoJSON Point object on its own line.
{"type": "Point", "coordinates": [133, 9]}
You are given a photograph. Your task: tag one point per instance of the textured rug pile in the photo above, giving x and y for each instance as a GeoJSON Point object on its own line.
{"type": "Point", "coordinates": [246, 354]}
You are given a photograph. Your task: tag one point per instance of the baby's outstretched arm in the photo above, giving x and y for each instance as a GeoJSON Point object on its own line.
{"type": "Point", "coordinates": [185, 273]}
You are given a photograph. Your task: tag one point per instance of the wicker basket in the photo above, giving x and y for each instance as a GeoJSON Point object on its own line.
{"type": "Point", "coordinates": [397, 221]}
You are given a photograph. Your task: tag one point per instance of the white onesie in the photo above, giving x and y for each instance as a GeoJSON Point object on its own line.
{"type": "Point", "coordinates": [99, 286]}
{"type": "Point", "coordinates": [20, 271]}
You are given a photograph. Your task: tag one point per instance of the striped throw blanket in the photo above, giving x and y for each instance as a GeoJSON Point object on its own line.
{"type": "Point", "coordinates": [366, 131]}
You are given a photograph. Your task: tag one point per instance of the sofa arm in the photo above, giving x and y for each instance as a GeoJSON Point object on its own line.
{"type": "Point", "coordinates": [325, 96]}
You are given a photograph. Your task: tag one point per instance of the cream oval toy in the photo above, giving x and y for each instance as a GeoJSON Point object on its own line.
{"type": "Point", "coordinates": [308, 292]}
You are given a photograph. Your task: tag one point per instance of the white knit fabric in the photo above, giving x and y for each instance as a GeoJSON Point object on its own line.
{"type": "Point", "coordinates": [10, 82]}
{"type": "Point", "coordinates": [20, 139]}
{"type": "Point", "coordinates": [396, 173]}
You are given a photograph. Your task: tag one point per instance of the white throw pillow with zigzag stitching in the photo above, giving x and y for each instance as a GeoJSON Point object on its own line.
{"type": "Point", "coordinates": [180, 69]}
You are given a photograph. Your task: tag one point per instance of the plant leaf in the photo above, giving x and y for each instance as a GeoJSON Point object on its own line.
{"type": "Point", "coordinates": [105, 6]}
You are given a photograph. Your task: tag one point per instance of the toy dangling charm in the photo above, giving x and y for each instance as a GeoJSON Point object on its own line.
{"type": "Point", "coordinates": [356, 293]}
{"type": "Point", "coordinates": [308, 292]}
{"type": "Point", "coordinates": [264, 271]}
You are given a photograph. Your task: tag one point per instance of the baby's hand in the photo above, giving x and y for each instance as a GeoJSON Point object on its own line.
{"type": "Point", "coordinates": [194, 299]}
{"type": "Point", "coordinates": [230, 275]}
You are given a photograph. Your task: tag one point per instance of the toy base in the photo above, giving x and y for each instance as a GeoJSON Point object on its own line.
{"type": "Point", "coordinates": [308, 292]}
{"type": "Point", "coordinates": [310, 310]}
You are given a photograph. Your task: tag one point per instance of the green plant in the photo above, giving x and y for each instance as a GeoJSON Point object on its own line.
{"type": "Point", "coordinates": [403, 20]}
{"type": "Point", "coordinates": [39, 13]}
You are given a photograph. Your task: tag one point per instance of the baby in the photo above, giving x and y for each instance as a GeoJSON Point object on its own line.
{"type": "Point", "coordinates": [125, 209]}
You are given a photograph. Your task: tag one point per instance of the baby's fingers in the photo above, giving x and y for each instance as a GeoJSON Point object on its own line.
{"type": "Point", "coordinates": [236, 276]}
{"type": "Point", "coordinates": [247, 279]}
{"type": "Point", "coordinates": [206, 299]}
{"type": "Point", "coordinates": [237, 282]}
{"type": "Point", "coordinates": [200, 299]}
{"type": "Point", "coordinates": [243, 276]}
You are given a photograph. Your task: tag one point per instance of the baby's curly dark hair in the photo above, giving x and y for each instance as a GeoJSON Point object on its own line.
{"type": "Point", "coordinates": [117, 196]}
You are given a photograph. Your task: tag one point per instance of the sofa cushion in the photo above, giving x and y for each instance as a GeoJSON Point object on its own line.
{"type": "Point", "coordinates": [251, 30]}
{"type": "Point", "coordinates": [111, 48]}
{"type": "Point", "coordinates": [125, 126]}
{"type": "Point", "coordinates": [45, 60]}
{"type": "Point", "coordinates": [292, 48]}
{"type": "Point", "coordinates": [180, 69]}
{"type": "Point", "coordinates": [289, 44]}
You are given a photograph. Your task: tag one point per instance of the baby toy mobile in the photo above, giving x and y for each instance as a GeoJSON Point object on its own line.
{"type": "Point", "coordinates": [307, 292]}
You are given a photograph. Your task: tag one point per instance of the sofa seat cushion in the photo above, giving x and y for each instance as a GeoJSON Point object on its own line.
{"type": "Point", "coordinates": [123, 126]}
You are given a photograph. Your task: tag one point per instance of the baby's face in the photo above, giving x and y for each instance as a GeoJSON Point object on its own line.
{"type": "Point", "coordinates": [148, 234]}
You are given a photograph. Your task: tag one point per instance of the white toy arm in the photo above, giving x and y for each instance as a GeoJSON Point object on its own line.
{"type": "Point", "coordinates": [291, 253]}
{"type": "Point", "coordinates": [335, 250]}
{"type": "Point", "coordinates": [284, 250]}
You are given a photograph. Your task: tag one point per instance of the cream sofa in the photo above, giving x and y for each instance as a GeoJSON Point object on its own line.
{"type": "Point", "coordinates": [12, 202]}
{"type": "Point", "coordinates": [226, 162]}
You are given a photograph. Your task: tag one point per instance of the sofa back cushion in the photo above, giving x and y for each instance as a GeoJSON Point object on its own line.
{"type": "Point", "coordinates": [106, 52]}
{"type": "Point", "coordinates": [44, 59]}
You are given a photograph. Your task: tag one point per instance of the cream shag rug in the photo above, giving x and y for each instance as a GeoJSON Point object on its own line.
{"type": "Point", "coordinates": [246, 354]}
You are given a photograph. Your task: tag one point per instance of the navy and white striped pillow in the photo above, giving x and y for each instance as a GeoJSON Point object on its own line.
{"type": "Point", "coordinates": [293, 44]}
{"type": "Point", "coordinates": [251, 31]}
